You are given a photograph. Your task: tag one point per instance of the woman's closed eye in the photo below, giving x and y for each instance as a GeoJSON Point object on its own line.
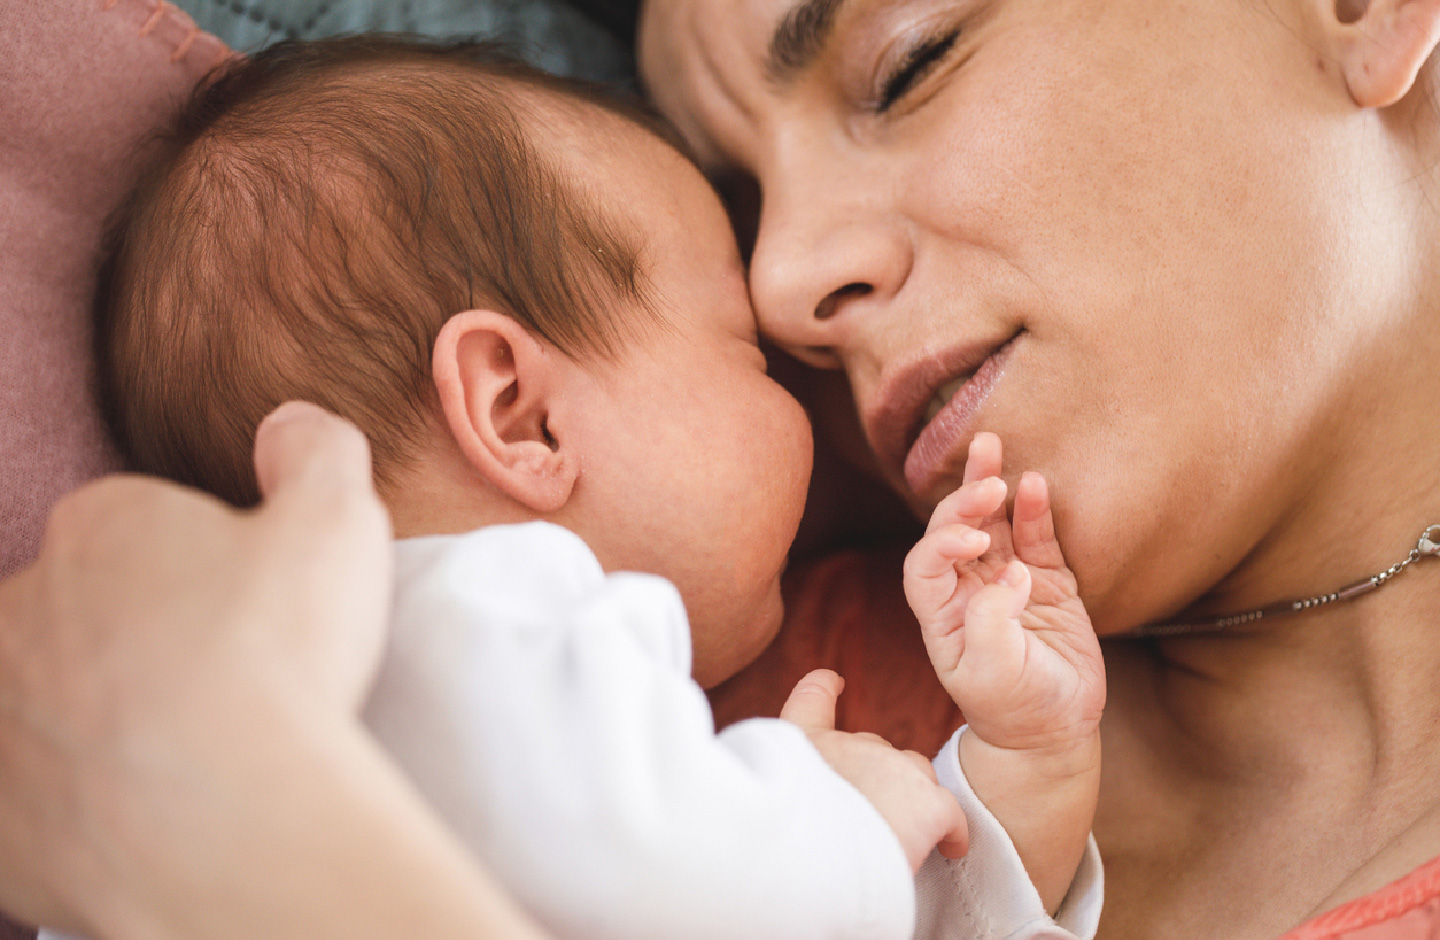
{"type": "Point", "coordinates": [914, 64]}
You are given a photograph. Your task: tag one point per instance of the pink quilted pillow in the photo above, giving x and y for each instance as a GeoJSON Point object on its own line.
{"type": "Point", "coordinates": [82, 84]}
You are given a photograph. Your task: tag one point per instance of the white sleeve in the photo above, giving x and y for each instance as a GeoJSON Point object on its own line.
{"type": "Point", "coordinates": [547, 712]}
{"type": "Point", "coordinates": [987, 895]}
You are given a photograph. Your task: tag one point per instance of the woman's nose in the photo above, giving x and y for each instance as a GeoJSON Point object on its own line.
{"type": "Point", "coordinates": [830, 256]}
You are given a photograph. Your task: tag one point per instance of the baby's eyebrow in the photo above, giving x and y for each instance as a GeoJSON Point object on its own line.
{"type": "Point", "coordinates": [800, 37]}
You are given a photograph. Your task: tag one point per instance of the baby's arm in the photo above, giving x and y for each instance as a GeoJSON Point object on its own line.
{"type": "Point", "coordinates": [546, 710]}
{"type": "Point", "coordinates": [1013, 645]}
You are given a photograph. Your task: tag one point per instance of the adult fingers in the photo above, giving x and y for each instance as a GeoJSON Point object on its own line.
{"type": "Point", "coordinates": [321, 514]}
{"type": "Point", "coordinates": [306, 455]}
{"type": "Point", "coordinates": [811, 704]}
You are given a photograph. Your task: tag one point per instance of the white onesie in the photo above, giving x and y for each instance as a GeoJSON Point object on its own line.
{"type": "Point", "coordinates": [546, 710]}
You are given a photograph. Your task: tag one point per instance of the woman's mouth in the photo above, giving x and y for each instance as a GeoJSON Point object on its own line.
{"type": "Point", "coordinates": [925, 416]}
{"type": "Point", "coordinates": [942, 396]}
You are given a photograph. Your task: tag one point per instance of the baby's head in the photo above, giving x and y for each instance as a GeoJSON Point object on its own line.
{"type": "Point", "coordinates": [528, 300]}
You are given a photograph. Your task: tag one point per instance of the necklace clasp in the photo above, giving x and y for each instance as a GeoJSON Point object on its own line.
{"type": "Point", "coordinates": [1429, 543]}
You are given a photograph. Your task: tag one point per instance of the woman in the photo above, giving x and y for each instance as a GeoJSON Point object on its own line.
{"type": "Point", "coordinates": [1184, 259]}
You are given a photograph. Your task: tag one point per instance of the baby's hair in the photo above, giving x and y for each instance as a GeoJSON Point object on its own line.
{"type": "Point", "coordinates": [317, 214]}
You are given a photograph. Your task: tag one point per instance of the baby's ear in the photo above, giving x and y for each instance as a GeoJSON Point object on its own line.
{"type": "Point", "coordinates": [1382, 44]}
{"type": "Point", "coordinates": [497, 384]}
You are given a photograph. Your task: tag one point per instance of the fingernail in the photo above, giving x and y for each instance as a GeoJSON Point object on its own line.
{"type": "Point", "coordinates": [287, 412]}
{"type": "Point", "coordinates": [975, 538]}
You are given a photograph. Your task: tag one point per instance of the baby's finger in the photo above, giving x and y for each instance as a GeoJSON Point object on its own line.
{"type": "Point", "coordinates": [983, 458]}
{"type": "Point", "coordinates": [951, 847]}
{"type": "Point", "coordinates": [1033, 525]}
{"type": "Point", "coordinates": [922, 764]}
{"type": "Point", "coordinates": [811, 704]}
{"type": "Point", "coordinates": [939, 552]}
{"type": "Point", "coordinates": [1017, 577]}
{"type": "Point", "coordinates": [954, 830]}
{"type": "Point", "coordinates": [982, 461]}
{"type": "Point", "coordinates": [971, 504]}
{"type": "Point", "coordinates": [956, 842]}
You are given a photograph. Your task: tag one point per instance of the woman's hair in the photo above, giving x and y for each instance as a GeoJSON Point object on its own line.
{"type": "Point", "coordinates": [315, 216]}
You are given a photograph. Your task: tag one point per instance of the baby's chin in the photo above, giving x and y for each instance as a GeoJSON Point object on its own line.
{"type": "Point", "coordinates": [747, 635]}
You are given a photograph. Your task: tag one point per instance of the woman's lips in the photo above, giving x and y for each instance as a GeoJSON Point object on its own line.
{"type": "Point", "coordinates": [915, 428]}
{"type": "Point", "coordinates": [947, 435]}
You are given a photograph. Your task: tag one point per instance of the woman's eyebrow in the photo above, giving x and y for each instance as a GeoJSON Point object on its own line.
{"type": "Point", "coordinates": [798, 39]}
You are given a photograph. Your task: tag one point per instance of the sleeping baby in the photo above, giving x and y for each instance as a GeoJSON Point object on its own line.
{"type": "Point", "coordinates": [532, 305]}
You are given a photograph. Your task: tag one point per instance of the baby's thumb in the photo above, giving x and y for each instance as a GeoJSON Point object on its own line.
{"type": "Point", "coordinates": [994, 639]}
{"type": "Point", "coordinates": [811, 704]}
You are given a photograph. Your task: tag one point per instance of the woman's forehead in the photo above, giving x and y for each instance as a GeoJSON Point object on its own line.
{"type": "Point", "coordinates": [720, 66]}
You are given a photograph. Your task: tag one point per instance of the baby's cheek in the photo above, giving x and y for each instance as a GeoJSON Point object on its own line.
{"type": "Point", "coordinates": [795, 456]}
{"type": "Point", "coordinates": [725, 645]}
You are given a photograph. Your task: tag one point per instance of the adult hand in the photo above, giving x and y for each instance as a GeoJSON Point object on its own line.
{"type": "Point", "coordinates": [178, 741]}
{"type": "Point", "coordinates": [151, 613]}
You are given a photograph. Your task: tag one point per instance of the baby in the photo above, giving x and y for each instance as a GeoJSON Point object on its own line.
{"type": "Point", "coordinates": [532, 304]}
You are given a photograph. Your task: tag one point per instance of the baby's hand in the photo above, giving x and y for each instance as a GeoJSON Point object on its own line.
{"type": "Point", "coordinates": [901, 785]}
{"type": "Point", "coordinates": [1014, 647]}
{"type": "Point", "coordinates": [1002, 621]}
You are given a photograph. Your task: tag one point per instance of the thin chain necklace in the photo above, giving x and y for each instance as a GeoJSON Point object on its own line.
{"type": "Point", "coordinates": [1427, 547]}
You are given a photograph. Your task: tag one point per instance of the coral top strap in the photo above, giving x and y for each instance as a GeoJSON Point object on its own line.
{"type": "Point", "coordinates": [1407, 909]}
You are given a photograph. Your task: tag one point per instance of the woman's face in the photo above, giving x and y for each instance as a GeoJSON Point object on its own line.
{"type": "Point", "coordinates": [1130, 236]}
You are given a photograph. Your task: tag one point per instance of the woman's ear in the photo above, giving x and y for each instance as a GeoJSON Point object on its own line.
{"type": "Point", "coordinates": [497, 386]}
{"type": "Point", "coordinates": [1382, 44]}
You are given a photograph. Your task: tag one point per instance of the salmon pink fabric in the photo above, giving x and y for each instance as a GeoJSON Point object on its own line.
{"type": "Point", "coordinates": [82, 84]}
{"type": "Point", "coordinates": [1408, 909]}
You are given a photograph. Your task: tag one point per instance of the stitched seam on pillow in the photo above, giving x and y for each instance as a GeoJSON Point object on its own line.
{"type": "Point", "coordinates": [155, 18]}
{"type": "Point", "coordinates": [165, 13]}
{"type": "Point", "coordinates": [184, 45]}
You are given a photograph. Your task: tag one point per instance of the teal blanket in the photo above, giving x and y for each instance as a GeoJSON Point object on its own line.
{"type": "Point", "coordinates": [547, 33]}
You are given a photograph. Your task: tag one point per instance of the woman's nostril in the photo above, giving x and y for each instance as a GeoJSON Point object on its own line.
{"type": "Point", "coordinates": [830, 306]}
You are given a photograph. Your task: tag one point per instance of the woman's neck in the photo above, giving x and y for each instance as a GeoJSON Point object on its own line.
{"type": "Point", "coordinates": [1362, 671]}
{"type": "Point", "coordinates": [1291, 759]}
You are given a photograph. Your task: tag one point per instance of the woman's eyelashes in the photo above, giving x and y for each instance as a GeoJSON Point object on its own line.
{"type": "Point", "coordinates": [915, 63]}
